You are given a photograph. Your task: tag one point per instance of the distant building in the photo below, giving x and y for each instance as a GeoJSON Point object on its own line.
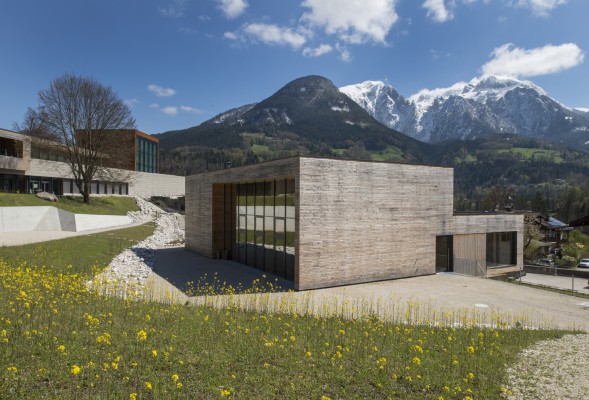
{"type": "Point", "coordinates": [324, 222]}
{"type": "Point", "coordinates": [28, 165]}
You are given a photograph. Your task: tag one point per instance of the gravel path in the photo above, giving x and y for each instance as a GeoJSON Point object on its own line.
{"type": "Point", "coordinates": [552, 369]}
{"type": "Point", "coordinates": [129, 271]}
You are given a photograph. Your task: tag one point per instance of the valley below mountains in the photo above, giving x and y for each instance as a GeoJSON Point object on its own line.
{"type": "Point", "coordinates": [508, 141]}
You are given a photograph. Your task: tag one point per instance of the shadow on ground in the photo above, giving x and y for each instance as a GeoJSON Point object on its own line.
{"type": "Point", "coordinates": [197, 275]}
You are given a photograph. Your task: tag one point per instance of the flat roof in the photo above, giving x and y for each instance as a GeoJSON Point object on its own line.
{"type": "Point", "coordinates": [324, 158]}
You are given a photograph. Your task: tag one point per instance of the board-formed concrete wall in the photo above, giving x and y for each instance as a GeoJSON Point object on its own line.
{"type": "Point", "coordinates": [355, 221]}
{"type": "Point", "coordinates": [366, 221]}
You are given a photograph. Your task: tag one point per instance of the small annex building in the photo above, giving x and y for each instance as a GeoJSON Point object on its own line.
{"type": "Point", "coordinates": [326, 222]}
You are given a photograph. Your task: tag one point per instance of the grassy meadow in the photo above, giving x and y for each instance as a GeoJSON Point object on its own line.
{"type": "Point", "coordinates": [60, 339]}
{"type": "Point", "coordinates": [102, 205]}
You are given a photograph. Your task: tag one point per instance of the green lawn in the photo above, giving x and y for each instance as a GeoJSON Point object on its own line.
{"type": "Point", "coordinates": [391, 153]}
{"type": "Point", "coordinates": [78, 254]}
{"type": "Point", "coordinates": [103, 205]}
{"type": "Point", "coordinates": [528, 154]}
{"type": "Point", "coordinates": [260, 148]}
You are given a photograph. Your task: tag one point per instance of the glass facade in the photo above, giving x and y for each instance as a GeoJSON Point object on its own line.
{"type": "Point", "coordinates": [265, 226]}
{"type": "Point", "coordinates": [145, 154]}
{"type": "Point", "coordinates": [501, 249]}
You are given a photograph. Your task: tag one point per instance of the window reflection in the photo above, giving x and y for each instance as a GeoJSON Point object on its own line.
{"type": "Point", "coordinates": [265, 226]}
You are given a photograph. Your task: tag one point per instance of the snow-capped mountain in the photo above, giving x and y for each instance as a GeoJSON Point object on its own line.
{"type": "Point", "coordinates": [466, 110]}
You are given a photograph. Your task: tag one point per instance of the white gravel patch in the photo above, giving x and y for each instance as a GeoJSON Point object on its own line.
{"type": "Point", "coordinates": [130, 270]}
{"type": "Point", "coordinates": [552, 369]}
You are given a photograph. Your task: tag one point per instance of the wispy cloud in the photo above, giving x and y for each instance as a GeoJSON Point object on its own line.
{"type": "Point", "coordinates": [268, 34]}
{"type": "Point", "coordinates": [541, 8]}
{"type": "Point", "coordinates": [175, 110]}
{"type": "Point", "coordinates": [438, 11]}
{"type": "Point", "coordinates": [191, 110]}
{"type": "Point", "coordinates": [317, 51]}
{"type": "Point", "coordinates": [232, 8]}
{"type": "Point", "coordinates": [170, 110]}
{"type": "Point", "coordinates": [344, 53]}
{"type": "Point", "coordinates": [174, 8]}
{"type": "Point", "coordinates": [517, 62]}
{"type": "Point", "coordinates": [352, 21]}
{"type": "Point", "coordinates": [161, 91]}
{"type": "Point", "coordinates": [131, 102]}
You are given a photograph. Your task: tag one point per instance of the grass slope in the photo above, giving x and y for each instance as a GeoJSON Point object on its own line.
{"type": "Point", "coordinates": [102, 205]}
{"type": "Point", "coordinates": [60, 340]}
{"type": "Point", "coordinates": [78, 254]}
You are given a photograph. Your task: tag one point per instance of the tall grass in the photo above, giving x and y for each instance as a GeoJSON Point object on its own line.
{"type": "Point", "coordinates": [60, 340]}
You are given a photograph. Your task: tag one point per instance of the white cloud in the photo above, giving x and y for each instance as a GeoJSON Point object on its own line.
{"type": "Point", "coordinates": [174, 9]}
{"type": "Point", "coordinates": [131, 102]}
{"type": "Point", "coordinates": [272, 35]}
{"type": "Point", "coordinates": [353, 21]}
{"type": "Point", "coordinates": [317, 51]}
{"type": "Point", "coordinates": [161, 91]}
{"type": "Point", "coordinates": [231, 36]}
{"type": "Point", "coordinates": [513, 61]}
{"type": "Point", "coordinates": [540, 7]}
{"type": "Point", "coordinates": [191, 110]}
{"type": "Point", "coordinates": [232, 8]}
{"type": "Point", "coordinates": [170, 110]}
{"type": "Point", "coordinates": [344, 53]}
{"type": "Point", "coordinates": [154, 105]}
{"type": "Point", "coordinates": [438, 11]}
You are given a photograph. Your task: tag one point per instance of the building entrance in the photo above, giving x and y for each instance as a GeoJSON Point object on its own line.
{"type": "Point", "coordinates": [444, 256]}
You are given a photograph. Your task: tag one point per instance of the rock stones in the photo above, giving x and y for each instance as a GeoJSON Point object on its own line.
{"type": "Point", "coordinates": [46, 196]}
{"type": "Point", "coordinates": [130, 269]}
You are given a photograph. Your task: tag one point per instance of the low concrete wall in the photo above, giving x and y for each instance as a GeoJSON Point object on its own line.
{"type": "Point", "coordinates": [48, 218]}
{"type": "Point", "coordinates": [86, 222]}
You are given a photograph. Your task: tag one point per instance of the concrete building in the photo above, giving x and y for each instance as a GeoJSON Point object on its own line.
{"type": "Point", "coordinates": [28, 165]}
{"type": "Point", "coordinates": [323, 222]}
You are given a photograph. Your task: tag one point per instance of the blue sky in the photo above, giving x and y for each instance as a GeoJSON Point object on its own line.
{"type": "Point", "coordinates": [178, 63]}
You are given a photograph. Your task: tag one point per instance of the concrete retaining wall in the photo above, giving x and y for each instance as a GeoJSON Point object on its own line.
{"type": "Point", "coordinates": [48, 218]}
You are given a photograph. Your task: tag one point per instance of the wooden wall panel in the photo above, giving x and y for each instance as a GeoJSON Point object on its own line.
{"type": "Point", "coordinates": [472, 247]}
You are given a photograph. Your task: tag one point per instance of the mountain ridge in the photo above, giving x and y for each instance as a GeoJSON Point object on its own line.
{"type": "Point", "coordinates": [466, 110]}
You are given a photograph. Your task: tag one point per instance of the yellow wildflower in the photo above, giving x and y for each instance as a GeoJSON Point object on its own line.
{"type": "Point", "coordinates": [141, 335]}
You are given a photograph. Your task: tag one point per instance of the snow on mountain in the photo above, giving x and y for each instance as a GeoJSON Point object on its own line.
{"type": "Point", "coordinates": [465, 110]}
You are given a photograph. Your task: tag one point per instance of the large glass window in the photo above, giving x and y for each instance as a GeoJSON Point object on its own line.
{"type": "Point", "coordinates": [145, 155]}
{"type": "Point", "coordinates": [265, 226]}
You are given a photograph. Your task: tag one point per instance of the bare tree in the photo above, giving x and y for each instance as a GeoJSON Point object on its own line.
{"type": "Point", "coordinates": [34, 125]}
{"type": "Point", "coordinates": [76, 112]}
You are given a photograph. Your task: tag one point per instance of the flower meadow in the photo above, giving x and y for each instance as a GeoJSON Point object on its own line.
{"type": "Point", "coordinates": [60, 339]}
